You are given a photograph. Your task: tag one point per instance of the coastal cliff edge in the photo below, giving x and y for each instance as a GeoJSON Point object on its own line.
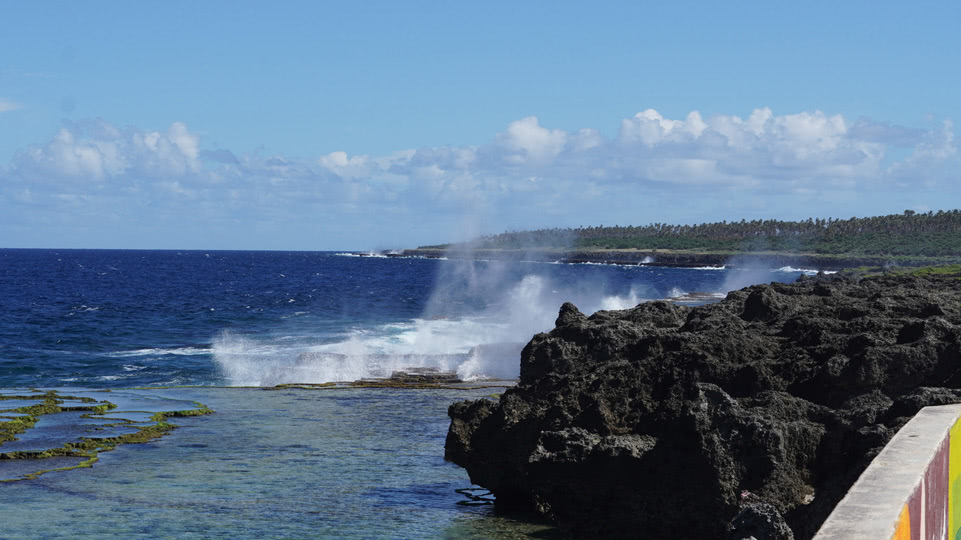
{"type": "Point", "coordinates": [749, 417]}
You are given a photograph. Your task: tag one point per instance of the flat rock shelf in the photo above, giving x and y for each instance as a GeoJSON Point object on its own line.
{"type": "Point", "coordinates": [43, 431]}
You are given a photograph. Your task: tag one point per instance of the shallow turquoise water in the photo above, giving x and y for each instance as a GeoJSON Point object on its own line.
{"type": "Point", "coordinates": [271, 464]}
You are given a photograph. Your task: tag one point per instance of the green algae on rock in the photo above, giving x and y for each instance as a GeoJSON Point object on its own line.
{"type": "Point", "coordinates": [61, 432]}
{"type": "Point", "coordinates": [418, 378]}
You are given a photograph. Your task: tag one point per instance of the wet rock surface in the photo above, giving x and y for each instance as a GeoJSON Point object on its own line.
{"type": "Point", "coordinates": [746, 418]}
{"type": "Point", "coordinates": [424, 375]}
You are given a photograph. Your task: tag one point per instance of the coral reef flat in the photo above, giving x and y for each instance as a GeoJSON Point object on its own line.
{"type": "Point", "coordinates": [48, 431]}
{"type": "Point", "coordinates": [327, 462]}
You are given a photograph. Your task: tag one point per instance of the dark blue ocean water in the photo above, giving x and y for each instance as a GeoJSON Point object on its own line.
{"type": "Point", "coordinates": [96, 318]}
{"type": "Point", "coordinates": [291, 463]}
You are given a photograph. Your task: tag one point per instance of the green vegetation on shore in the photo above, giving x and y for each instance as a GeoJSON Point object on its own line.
{"type": "Point", "coordinates": [948, 271]}
{"type": "Point", "coordinates": [907, 235]}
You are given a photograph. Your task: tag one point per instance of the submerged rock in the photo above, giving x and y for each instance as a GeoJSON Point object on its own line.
{"type": "Point", "coordinates": [746, 418]}
{"type": "Point", "coordinates": [420, 375]}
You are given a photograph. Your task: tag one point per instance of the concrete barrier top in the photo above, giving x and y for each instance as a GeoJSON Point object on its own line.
{"type": "Point", "coordinates": [911, 490]}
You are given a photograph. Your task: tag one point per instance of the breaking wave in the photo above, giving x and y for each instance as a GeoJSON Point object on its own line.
{"type": "Point", "coordinates": [475, 322]}
{"type": "Point", "coordinates": [482, 344]}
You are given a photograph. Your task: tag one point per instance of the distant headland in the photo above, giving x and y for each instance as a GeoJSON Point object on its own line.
{"type": "Point", "coordinates": [907, 239]}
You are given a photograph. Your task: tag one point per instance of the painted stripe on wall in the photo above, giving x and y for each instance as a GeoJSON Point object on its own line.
{"type": "Point", "coordinates": [936, 500]}
{"type": "Point", "coordinates": [954, 482]}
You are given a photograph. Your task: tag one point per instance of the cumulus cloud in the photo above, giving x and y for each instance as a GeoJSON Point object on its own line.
{"type": "Point", "coordinates": [810, 149]}
{"type": "Point", "coordinates": [347, 167]}
{"type": "Point", "coordinates": [650, 128]}
{"type": "Point", "coordinates": [525, 167]}
{"type": "Point", "coordinates": [526, 141]}
{"type": "Point", "coordinates": [98, 151]}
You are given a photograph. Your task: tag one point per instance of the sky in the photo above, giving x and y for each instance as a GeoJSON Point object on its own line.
{"type": "Point", "coordinates": [385, 125]}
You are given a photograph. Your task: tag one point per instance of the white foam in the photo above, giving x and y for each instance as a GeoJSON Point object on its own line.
{"type": "Point", "coordinates": [178, 351]}
{"type": "Point", "coordinates": [484, 343]}
{"type": "Point", "coordinates": [366, 254]}
{"type": "Point", "coordinates": [791, 269]}
{"type": "Point", "coordinates": [676, 292]}
{"type": "Point", "coordinates": [494, 361]}
{"type": "Point", "coordinates": [244, 361]}
{"type": "Point", "coordinates": [633, 298]}
{"type": "Point", "coordinates": [472, 344]}
{"type": "Point", "coordinates": [807, 271]}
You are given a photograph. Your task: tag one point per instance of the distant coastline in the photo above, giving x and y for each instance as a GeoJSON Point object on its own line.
{"type": "Point", "coordinates": [679, 258]}
{"type": "Point", "coordinates": [908, 239]}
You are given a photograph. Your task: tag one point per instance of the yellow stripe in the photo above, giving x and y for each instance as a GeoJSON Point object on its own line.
{"type": "Point", "coordinates": [903, 530]}
{"type": "Point", "coordinates": [954, 482]}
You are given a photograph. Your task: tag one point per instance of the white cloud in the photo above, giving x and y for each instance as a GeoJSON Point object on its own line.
{"type": "Point", "coordinates": [530, 142]}
{"type": "Point", "coordinates": [347, 167]}
{"type": "Point", "coordinates": [812, 150]}
{"type": "Point", "coordinates": [7, 105]}
{"type": "Point", "coordinates": [807, 147]}
{"type": "Point", "coordinates": [108, 153]}
{"type": "Point", "coordinates": [650, 128]}
{"type": "Point", "coordinates": [586, 139]}
{"type": "Point", "coordinates": [525, 172]}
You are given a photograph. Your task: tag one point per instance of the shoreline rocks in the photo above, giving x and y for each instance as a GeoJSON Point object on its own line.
{"type": "Point", "coordinates": [677, 258]}
{"type": "Point", "coordinates": [746, 418]}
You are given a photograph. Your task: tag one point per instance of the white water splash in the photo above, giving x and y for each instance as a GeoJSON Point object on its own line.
{"type": "Point", "coordinates": [479, 345]}
{"type": "Point", "coordinates": [806, 271]}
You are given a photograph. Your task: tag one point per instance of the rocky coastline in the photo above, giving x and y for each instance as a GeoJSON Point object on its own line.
{"type": "Point", "coordinates": [746, 418]}
{"type": "Point", "coordinates": [676, 258]}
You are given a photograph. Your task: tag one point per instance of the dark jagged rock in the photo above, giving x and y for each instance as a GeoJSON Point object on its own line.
{"type": "Point", "coordinates": [749, 417]}
{"type": "Point", "coordinates": [759, 521]}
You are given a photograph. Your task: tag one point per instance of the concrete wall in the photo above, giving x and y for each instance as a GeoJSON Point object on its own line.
{"type": "Point", "coordinates": [912, 489]}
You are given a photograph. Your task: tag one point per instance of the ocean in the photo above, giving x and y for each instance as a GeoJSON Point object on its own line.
{"type": "Point", "coordinates": [217, 327]}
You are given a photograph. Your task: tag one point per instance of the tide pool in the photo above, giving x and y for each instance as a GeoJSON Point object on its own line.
{"type": "Point", "coordinates": [271, 464]}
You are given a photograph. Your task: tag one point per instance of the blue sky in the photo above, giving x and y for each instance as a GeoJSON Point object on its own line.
{"type": "Point", "coordinates": [374, 125]}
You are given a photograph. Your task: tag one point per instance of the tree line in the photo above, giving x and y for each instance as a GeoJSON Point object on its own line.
{"type": "Point", "coordinates": [909, 233]}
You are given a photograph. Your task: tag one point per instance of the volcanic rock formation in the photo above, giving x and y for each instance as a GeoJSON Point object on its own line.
{"type": "Point", "coordinates": [746, 418]}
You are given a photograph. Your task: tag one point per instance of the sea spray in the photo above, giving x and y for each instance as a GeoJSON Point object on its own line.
{"type": "Point", "coordinates": [636, 295]}
{"type": "Point", "coordinates": [246, 362]}
{"type": "Point", "coordinates": [676, 292]}
{"type": "Point", "coordinates": [744, 271]}
{"type": "Point", "coordinates": [162, 314]}
{"type": "Point", "coordinates": [477, 320]}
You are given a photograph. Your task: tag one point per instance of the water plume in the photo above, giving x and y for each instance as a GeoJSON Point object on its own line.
{"type": "Point", "coordinates": [477, 318]}
{"type": "Point", "coordinates": [744, 271]}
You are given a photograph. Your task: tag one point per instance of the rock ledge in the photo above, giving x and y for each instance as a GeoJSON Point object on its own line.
{"type": "Point", "coordinates": [746, 418]}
